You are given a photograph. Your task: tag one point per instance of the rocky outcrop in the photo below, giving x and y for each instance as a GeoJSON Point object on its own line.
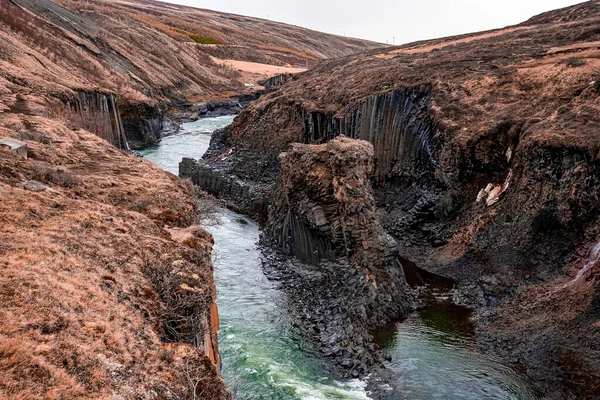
{"type": "Point", "coordinates": [325, 209]}
{"type": "Point", "coordinates": [221, 172]}
{"type": "Point", "coordinates": [323, 215]}
{"type": "Point", "coordinates": [143, 123]}
{"type": "Point", "coordinates": [397, 124]}
{"type": "Point", "coordinates": [185, 111]}
{"type": "Point", "coordinates": [98, 113]}
{"type": "Point", "coordinates": [239, 195]}
{"type": "Point", "coordinates": [17, 146]}
{"type": "Point", "coordinates": [275, 81]}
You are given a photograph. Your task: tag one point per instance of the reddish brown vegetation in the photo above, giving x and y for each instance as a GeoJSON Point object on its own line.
{"type": "Point", "coordinates": [97, 299]}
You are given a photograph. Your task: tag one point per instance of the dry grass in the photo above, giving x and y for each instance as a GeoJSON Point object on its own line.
{"type": "Point", "coordinates": [31, 27]}
{"type": "Point", "coordinates": [54, 176]}
{"type": "Point", "coordinates": [185, 303]}
{"type": "Point", "coordinates": [98, 300]}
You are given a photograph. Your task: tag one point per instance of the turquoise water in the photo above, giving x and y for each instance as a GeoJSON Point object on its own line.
{"type": "Point", "coordinates": [434, 356]}
{"type": "Point", "coordinates": [262, 358]}
{"type": "Point", "coordinates": [191, 141]}
{"type": "Point", "coordinates": [433, 353]}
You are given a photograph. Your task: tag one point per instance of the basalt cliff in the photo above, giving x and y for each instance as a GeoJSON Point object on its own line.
{"type": "Point", "coordinates": [349, 280]}
{"type": "Point", "coordinates": [485, 170]}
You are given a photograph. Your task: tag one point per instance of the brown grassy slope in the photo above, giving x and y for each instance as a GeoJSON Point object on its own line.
{"type": "Point", "coordinates": [522, 73]}
{"type": "Point", "coordinates": [88, 273]}
{"type": "Point", "coordinates": [269, 37]}
{"type": "Point", "coordinates": [142, 50]}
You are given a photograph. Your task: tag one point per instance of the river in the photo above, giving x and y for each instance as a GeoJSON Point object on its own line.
{"type": "Point", "coordinates": [433, 354]}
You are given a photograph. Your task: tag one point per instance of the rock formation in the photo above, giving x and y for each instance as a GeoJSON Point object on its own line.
{"type": "Point", "coordinates": [325, 209]}
{"type": "Point", "coordinates": [514, 112]}
{"type": "Point", "coordinates": [349, 281]}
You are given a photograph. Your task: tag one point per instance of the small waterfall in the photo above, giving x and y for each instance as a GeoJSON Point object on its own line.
{"type": "Point", "coordinates": [591, 261]}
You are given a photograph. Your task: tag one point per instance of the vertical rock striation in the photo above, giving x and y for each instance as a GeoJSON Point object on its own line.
{"type": "Point", "coordinates": [396, 123]}
{"type": "Point", "coordinates": [325, 209]}
{"type": "Point", "coordinates": [349, 281]}
{"type": "Point", "coordinates": [98, 113]}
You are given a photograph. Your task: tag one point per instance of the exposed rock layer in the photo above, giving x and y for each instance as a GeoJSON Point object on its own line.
{"type": "Point", "coordinates": [325, 209]}
{"type": "Point", "coordinates": [99, 113]}
{"type": "Point", "coordinates": [514, 110]}
{"type": "Point", "coordinates": [323, 214]}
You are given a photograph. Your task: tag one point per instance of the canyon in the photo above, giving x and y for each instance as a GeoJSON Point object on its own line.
{"type": "Point", "coordinates": [375, 173]}
{"type": "Point", "coordinates": [106, 278]}
{"type": "Point", "coordinates": [485, 172]}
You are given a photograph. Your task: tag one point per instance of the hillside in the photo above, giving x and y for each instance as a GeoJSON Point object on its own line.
{"type": "Point", "coordinates": [106, 279]}
{"type": "Point", "coordinates": [486, 172]}
{"type": "Point", "coordinates": [150, 55]}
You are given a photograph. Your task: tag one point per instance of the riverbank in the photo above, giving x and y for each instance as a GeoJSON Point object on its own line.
{"type": "Point", "coordinates": [101, 294]}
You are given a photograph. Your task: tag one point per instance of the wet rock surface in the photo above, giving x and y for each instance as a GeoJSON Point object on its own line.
{"type": "Point", "coordinates": [336, 308]}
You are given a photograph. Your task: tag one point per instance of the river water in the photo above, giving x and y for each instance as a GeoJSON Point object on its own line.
{"type": "Point", "coordinates": [433, 353]}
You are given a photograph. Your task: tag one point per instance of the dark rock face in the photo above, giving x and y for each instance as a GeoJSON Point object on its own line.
{"type": "Point", "coordinates": [275, 81]}
{"type": "Point", "coordinates": [239, 195]}
{"type": "Point", "coordinates": [143, 124]}
{"type": "Point", "coordinates": [98, 113]}
{"type": "Point", "coordinates": [187, 112]}
{"type": "Point", "coordinates": [325, 208]}
{"type": "Point", "coordinates": [348, 282]}
{"type": "Point", "coordinates": [397, 124]}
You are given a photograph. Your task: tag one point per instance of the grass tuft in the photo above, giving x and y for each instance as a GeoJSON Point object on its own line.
{"type": "Point", "coordinates": [205, 39]}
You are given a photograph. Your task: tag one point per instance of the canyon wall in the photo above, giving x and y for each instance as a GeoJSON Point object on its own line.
{"type": "Point", "coordinates": [275, 81]}
{"type": "Point", "coordinates": [397, 123]}
{"type": "Point", "coordinates": [486, 171]}
{"type": "Point", "coordinates": [143, 123]}
{"type": "Point", "coordinates": [98, 113]}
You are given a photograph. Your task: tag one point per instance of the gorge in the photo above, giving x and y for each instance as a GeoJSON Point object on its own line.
{"type": "Point", "coordinates": [406, 222]}
{"type": "Point", "coordinates": [265, 338]}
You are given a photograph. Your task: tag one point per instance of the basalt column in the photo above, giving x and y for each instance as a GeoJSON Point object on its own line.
{"type": "Point", "coordinates": [347, 280]}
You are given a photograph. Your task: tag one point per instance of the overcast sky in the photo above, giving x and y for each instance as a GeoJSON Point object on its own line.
{"type": "Point", "coordinates": [381, 20]}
